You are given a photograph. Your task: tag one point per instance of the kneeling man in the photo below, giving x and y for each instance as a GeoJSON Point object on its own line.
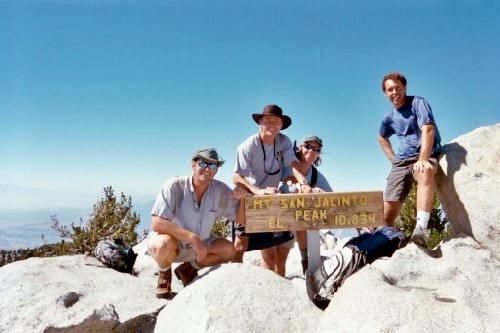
{"type": "Point", "coordinates": [184, 213]}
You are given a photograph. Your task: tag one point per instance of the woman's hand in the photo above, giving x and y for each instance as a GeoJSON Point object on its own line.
{"type": "Point", "coordinates": [305, 188]}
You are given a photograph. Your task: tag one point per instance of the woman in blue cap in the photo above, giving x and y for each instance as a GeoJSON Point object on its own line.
{"type": "Point", "coordinates": [308, 154]}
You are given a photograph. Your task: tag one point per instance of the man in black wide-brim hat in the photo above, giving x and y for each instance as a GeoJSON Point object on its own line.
{"type": "Point", "coordinates": [259, 163]}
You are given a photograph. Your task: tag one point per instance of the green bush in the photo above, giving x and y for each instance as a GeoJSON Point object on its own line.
{"type": "Point", "coordinates": [438, 223]}
{"type": "Point", "coordinates": [110, 219]}
{"type": "Point", "coordinates": [222, 227]}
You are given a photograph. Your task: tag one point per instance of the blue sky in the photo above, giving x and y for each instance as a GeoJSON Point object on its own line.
{"type": "Point", "coordinates": [98, 93]}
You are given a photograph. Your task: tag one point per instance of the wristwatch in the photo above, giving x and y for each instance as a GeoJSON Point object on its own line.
{"type": "Point", "coordinates": [304, 182]}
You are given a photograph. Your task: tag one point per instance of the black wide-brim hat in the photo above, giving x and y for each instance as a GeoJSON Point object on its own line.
{"type": "Point", "coordinates": [273, 110]}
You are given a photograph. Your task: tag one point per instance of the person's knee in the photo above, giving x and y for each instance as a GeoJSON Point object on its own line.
{"type": "Point", "coordinates": [270, 260]}
{"type": "Point", "coordinates": [427, 177]}
{"type": "Point", "coordinates": [229, 252]}
{"type": "Point", "coordinates": [164, 248]}
{"type": "Point", "coordinates": [269, 263]}
{"type": "Point", "coordinates": [240, 247]}
{"type": "Point", "coordinates": [241, 244]}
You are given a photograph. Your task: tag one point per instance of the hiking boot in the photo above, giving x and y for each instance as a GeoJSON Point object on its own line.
{"type": "Point", "coordinates": [420, 236]}
{"type": "Point", "coordinates": [164, 290]}
{"type": "Point", "coordinates": [186, 273]}
{"type": "Point", "coordinates": [305, 263]}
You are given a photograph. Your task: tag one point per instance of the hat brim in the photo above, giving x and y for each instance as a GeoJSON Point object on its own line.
{"type": "Point", "coordinates": [219, 162]}
{"type": "Point", "coordinates": [287, 121]}
{"type": "Point", "coordinates": [312, 140]}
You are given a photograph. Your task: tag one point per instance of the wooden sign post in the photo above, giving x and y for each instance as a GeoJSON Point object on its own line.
{"type": "Point", "coordinates": [313, 211]}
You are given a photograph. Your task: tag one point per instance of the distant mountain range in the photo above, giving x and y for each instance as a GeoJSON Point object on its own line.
{"type": "Point", "coordinates": [23, 223]}
{"type": "Point", "coordinates": [14, 197]}
{"type": "Point", "coordinates": [25, 215]}
{"type": "Point", "coordinates": [22, 229]}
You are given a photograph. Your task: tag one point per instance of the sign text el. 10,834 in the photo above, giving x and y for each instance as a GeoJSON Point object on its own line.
{"type": "Point", "coordinates": [313, 211]}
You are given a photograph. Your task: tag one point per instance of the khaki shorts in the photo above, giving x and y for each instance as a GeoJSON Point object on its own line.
{"type": "Point", "coordinates": [186, 252]}
{"type": "Point", "coordinates": [401, 179]}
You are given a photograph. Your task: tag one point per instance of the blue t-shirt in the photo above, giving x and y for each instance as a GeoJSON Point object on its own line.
{"type": "Point", "coordinates": [406, 122]}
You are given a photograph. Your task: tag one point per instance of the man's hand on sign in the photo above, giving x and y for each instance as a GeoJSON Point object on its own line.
{"type": "Point", "coordinates": [239, 192]}
{"type": "Point", "coordinates": [268, 191]}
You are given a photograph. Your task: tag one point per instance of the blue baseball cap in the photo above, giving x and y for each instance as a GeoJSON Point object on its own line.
{"type": "Point", "coordinates": [311, 137]}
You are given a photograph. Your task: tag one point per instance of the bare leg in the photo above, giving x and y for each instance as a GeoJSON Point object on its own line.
{"type": "Point", "coordinates": [301, 236]}
{"type": "Point", "coordinates": [391, 211]}
{"type": "Point", "coordinates": [268, 258]}
{"type": "Point", "coordinates": [302, 239]}
{"type": "Point", "coordinates": [426, 188]}
{"type": "Point", "coordinates": [164, 250]}
{"type": "Point", "coordinates": [281, 256]}
{"type": "Point", "coordinates": [241, 245]}
{"type": "Point", "coordinates": [220, 251]}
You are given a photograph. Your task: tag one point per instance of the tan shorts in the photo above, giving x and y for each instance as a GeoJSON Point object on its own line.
{"type": "Point", "coordinates": [186, 252]}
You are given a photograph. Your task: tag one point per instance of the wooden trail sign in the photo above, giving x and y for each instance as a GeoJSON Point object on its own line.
{"type": "Point", "coordinates": [313, 211]}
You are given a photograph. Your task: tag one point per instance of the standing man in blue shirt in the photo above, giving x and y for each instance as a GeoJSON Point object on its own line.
{"type": "Point", "coordinates": [412, 121]}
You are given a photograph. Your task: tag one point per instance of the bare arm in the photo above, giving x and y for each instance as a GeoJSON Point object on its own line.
{"type": "Point", "coordinates": [386, 147]}
{"type": "Point", "coordinates": [240, 212]}
{"type": "Point", "coordinates": [238, 180]}
{"type": "Point", "coordinates": [426, 143]}
{"type": "Point", "coordinates": [301, 179]}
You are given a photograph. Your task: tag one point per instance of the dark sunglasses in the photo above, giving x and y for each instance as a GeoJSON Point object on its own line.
{"type": "Point", "coordinates": [316, 149]}
{"type": "Point", "coordinates": [211, 166]}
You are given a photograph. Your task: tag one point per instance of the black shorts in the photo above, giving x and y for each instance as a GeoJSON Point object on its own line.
{"type": "Point", "coordinates": [263, 240]}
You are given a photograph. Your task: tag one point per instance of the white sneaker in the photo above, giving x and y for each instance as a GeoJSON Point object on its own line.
{"type": "Point", "coordinates": [420, 236]}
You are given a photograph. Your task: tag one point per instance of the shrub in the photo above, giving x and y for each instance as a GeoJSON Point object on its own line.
{"type": "Point", "coordinates": [222, 227]}
{"type": "Point", "coordinates": [110, 219]}
{"type": "Point", "coordinates": [438, 223]}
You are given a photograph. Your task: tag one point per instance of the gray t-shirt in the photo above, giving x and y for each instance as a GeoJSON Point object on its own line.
{"type": "Point", "coordinates": [177, 203]}
{"type": "Point", "coordinates": [262, 164]}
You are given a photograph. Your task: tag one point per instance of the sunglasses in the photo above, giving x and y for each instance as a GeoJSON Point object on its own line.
{"type": "Point", "coordinates": [310, 147]}
{"type": "Point", "coordinates": [211, 166]}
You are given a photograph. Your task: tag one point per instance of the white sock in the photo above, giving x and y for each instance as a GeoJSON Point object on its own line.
{"type": "Point", "coordinates": [164, 269]}
{"type": "Point", "coordinates": [423, 219]}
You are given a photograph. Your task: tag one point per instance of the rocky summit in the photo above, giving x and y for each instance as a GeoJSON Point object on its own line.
{"type": "Point", "coordinates": [453, 288]}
